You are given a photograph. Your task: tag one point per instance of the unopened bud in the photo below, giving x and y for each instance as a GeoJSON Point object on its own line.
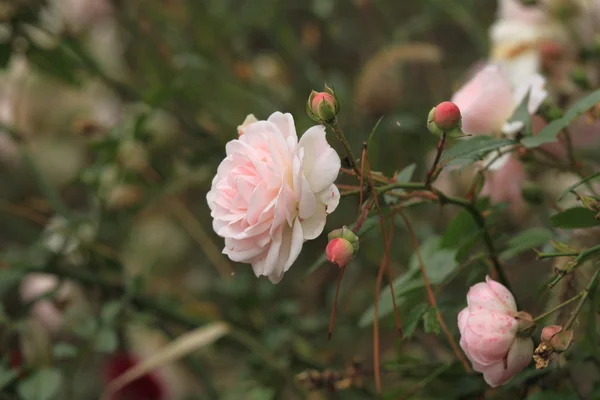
{"type": "Point", "coordinates": [549, 331]}
{"type": "Point", "coordinates": [250, 119]}
{"type": "Point", "coordinates": [339, 251]}
{"type": "Point", "coordinates": [342, 247]}
{"type": "Point", "coordinates": [445, 118]}
{"type": "Point", "coordinates": [324, 106]}
{"type": "Point", "coordinates": [525, 325]}
{"type": "Point", "coordinates": [561, 341]}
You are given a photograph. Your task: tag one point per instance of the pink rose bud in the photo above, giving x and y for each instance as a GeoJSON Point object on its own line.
{"type": "Point", "coordinates": [447, 116]}
{"type": "Point", "coordinates": [488, 328]}
{"type": "Point", "coordinates": [339, 251]}
{"type": "Point", "coordinates": [550, 331]}
{"type": "Point", "coordinates": [323, 107]}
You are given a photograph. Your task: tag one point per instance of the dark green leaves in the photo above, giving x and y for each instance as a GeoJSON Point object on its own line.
{"type": "Point", "coordinates": [525, 241]}
{"type": "Point", "coordinates": [470, 150]}
{"type": "Point", "coordinates": [430, 321]}
{"type": "Point", "coordinates": [44, 384]}
{"type": "Point", "coordinates": [548, 134]}
{"type": "Point", "coordinates": [573, 218]}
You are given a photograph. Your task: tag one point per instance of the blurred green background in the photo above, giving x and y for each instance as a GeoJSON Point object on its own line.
{"type": "Point", "coordinates": [123, 109]}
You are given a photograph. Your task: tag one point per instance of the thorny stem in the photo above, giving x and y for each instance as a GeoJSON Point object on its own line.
{"type": "Point", "coordinates": [558, 307]}
{"type": "Point", "coordinates": [335, 127]}
{"type": "Point", "coordinates": [438, 155]}
{"type": "Point", "coordinates": [569, 267]}
{"type": "Point", "coordinates": [541, 256]}
{"type": "Point", "coordinates": [431, 295]}
{"type": "Point", "coordinates": [584, 296]}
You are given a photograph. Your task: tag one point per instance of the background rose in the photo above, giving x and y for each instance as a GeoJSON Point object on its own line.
{"type": "Point", "coordinates": [272, 193]}
{"type": "Point", "coordinates": [488, 329]}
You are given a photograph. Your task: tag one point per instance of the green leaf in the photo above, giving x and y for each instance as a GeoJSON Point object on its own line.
{"type": "Point", "coordinates": [374, 130]}
{"type": "Point", "coordinates": [413, 318]}
{"type": "Point", "coordinates": [581, 182]}
{"type": "Point", "coordinates": [439, 264]}
{"type": "Point", "coordinates": [110, 311]}
{"type": "Point", "coordinates": [5, 52]}
{"type": "Point", "coordinates": [573, 218]}
{"type": "Point", "coordinates": [106, 340]}
{"type": "Point", "coordinates": [403, 176]}
{"type": "Point", "coordinates": [525, 241]}
{"type": "Point", "coordinates": [9, 278]}
{"type": "Point", "coordinates": [459, 230]}
{"type": "Point", "coordinates": [473, 149]}
{"type": "Point", "coordinates": [548, 134]}
{"type": "Point", "coordinates": [43, 384]}
{"type": "Point", "coordinates": [7, 376]}
{"type": "Point", "coordinates": [430, 321]}
{"type": "Point", "coordinates": [58, 62]}
{"type": "Point", "coordinates": [63, 350]}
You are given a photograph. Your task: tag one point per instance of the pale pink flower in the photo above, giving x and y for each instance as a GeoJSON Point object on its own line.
{"type": "Point", "coordinates": [504, 185]}
{"type": "Point", "coordinates": [488, 329]}
{"type": "Point", "coordinates": [488, 101]}
{"type": "Point", "coordinates": [272, 193]}
{"type": "Point", "coordinates": [46, 311]}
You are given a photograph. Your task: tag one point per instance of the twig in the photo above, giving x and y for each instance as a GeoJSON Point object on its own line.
{"type": "Point", "coordinates": [431, 295]}
{"type": "Point", "coordinates": [558, 307]}
{"type": "Point", "coordinates": [438, 155]}
{"type": "Point", "coordinates": [335, 127]}
{"type": "Point", "coordinates": [572, 265]}
{"type": "Point", "coordinates": [584, 296]}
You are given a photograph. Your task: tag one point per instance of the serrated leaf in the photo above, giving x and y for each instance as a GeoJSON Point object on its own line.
{"type": "Point", "coordinates": [439, 264]}
{"type": "Point", "coordinates": [404, 176]}
{"type": "Point", "coordinates": [430, 321]}
{"type": "Point", "coordinates": [43, 384]}
{"type": "Point", "coordinates": [573, 218]}
{"type": "Point", "coordinates": [548, 134]}
{"type": "Point", "coordinates": [525, 241]}
{"type": "Point", "coordinates": [413, 318]}
{"type": "Point", "coordinates": [473, 149]}
{"type": "Point", "coordinates": [577, 184]}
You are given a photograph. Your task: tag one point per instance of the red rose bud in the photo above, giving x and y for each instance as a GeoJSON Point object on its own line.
{"type": "Point", "coordinates": [323, 107]}
{"type": "Point", "coordinates": [339, 251]}
{"type": "Point", "coordinates": [446, 116]}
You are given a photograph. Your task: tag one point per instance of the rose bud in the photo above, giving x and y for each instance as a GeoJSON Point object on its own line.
{"type": "Point", "coordinates": [549, 331]}
{"type": "Point", "coordinates": [323, 107]}
{"type": "Point", "coordinates": [342, 247]}
{"type": "Point", "coordinates": [445, 118]}
{"type": "Point", "coordinates": [561, 341]}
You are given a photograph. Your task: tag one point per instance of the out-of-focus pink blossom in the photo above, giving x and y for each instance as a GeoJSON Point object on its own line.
{"type": "Point", "coordinates": [487, 101]}
{"type": "Point", "coordinates": [272, 193]}
{"type": "Point", "coordinates": [46, 311]}
{"type": "Point", "coordinates": [504, 185]}
{"type": "Point", "coordinates": [488, 329]}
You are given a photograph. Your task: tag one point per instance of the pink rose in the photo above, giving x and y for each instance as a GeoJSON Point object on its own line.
{"type": "Point", "coordinates": [46, 311]}
{"type": "Point", "coordinates": [272, 193]}
{"type": "Point", "coordinates": [488, 329]}
{"type": "Point", "coordinates": [487, 101]}
{"type": "Point", "coordinates": [504, 185]}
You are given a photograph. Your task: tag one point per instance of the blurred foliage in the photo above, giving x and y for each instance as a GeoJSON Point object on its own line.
{"type": "Point", "coordinates": [116, 116]}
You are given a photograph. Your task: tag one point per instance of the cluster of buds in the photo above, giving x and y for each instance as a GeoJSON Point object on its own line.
{"type": "Point", "coordinates": [323, 107]}
{"type": "Point", "coordinates": [554, 340]}
{"type": "Point", "coordinates": [445, 118]}
{"type": "Point", "coordinates": [342, 246]}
